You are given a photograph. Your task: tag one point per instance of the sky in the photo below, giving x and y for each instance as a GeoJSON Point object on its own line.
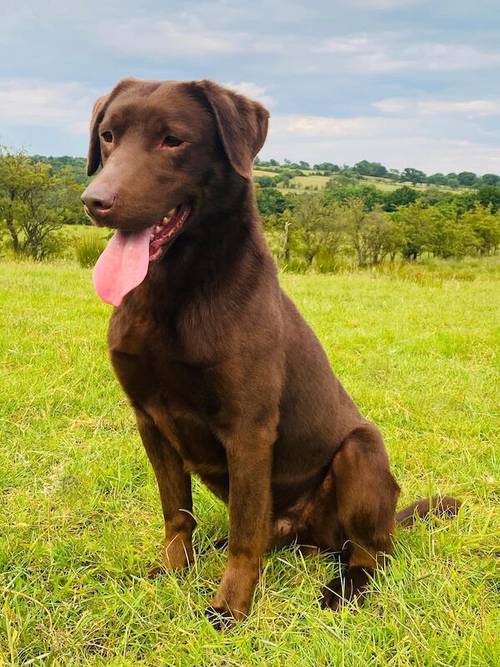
{"type": "Point", "coordinates": [409, 83]}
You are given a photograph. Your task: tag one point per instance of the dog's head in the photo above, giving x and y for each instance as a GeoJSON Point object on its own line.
{"type": "Point", "coordinates": [167, 149]}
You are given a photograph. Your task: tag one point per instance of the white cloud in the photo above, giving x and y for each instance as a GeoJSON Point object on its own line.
{"type": "Point", "coordinates": [427, 153]}
{"type": "Point", "coordinates": [468, 108]}
{"type": "Point", "coordinates": [322, 127]}
{"type": "Point", "coordinates": [252, 90]}
{"type": "Point", "coordinates": [431, 134]}
{"type": "Point", "coordinates": [392, 105]}
{"type": "Point", "coordinates": [157, 38]}
{"type": "Point", "coordinates": [384, 5]}
{"type": "Point", "coordinates": [393, 51]}
{"type": "Point", "coordinates": [353, 44]}
{"type": "Point", "coordinates": [45, 104]}
{"type": "Point", "coordinates": [396, 141]}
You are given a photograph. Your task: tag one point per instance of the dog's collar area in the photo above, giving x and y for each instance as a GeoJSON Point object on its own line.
{"type": "Point", "coordinates": [165, 231]}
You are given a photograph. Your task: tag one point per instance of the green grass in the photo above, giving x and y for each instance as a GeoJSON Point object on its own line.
{"type": "Point", "coordinates": [89, 248]}
{"type": "Point", "coordinates": [264, 172]}
{"type": "Point", "coordinates": [80, 519]}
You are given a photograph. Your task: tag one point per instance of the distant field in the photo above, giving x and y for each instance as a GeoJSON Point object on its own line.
{"type": "Point", "coordinates": [314, 181]}
{"type": "Point", "coordinates": [263, 172]}
{"type": "Point", "coordinates": [80, 518]}
{"type": "Point", "coordinates": [388, 186]}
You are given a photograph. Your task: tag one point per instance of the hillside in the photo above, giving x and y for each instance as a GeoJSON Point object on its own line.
{"type": "Point", "coordinates": [300, 177]}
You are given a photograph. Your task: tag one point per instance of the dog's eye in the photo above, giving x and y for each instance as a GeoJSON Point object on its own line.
{"type": "Point", "coordinates": [171, 142]}
{"type": "Point", "coordinates": [107, 136]}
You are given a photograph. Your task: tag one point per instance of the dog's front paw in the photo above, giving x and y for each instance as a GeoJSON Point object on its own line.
{"type": "Point", "coordinates": [349, 587]}
{"type": "Point", "coordinates": [178, 555]}
{"type": "Point", "coordinates": [220, 617]}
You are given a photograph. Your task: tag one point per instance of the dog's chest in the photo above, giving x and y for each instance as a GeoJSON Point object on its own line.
{"type": "Point", "coordinates": [183, 399]}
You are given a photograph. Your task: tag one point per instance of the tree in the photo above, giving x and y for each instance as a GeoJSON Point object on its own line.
{"type": "Point", "coordinates": [415, 225]}
{"type": "Point", "coordinates": [432, 196]}
{"type": "Point", "coordinates": [317, 225]}
{"type": "Point", "coordinates": [489, 195]}
{"type": "Point", "coordinates": [270, 200]}
{"type": "Point", "coordinates": [366, 168]}
{"type": "Point", "coordinates": [490, 179]}
{"type": "Point", "coordinates": [282, 224]}
{"type": "Point", "coordinates": [76, 166]}
{"type": "Point", "coordinates": [452, 180]}
{"type": "Point", "coordinates": [284, 177]}
{"type": "Point", "coordinates": [485, 227]}
{"type": "Point", "coordinates": [413, 175]}
{"type": "Point", "coordinates": [32, 203]}
{"type": "Point", "coordinates": [264, 181]}
{"type": "Point", "coordinates": [467, 178]}
{"type": "Point", "coordinates": [437, 179]}
{"type": "Point", "coordinates": [327, 167]}
{"type": "Point", "coordinates": [400, 197]}
{"type": "Point", "coordinates": [372, 234]}
{"type": "Point", "coordinates": [341, 188]}
{"type": "Point", "coordinates": [464, 201]}
{"type": "Point", "coordinates": [448, 237]}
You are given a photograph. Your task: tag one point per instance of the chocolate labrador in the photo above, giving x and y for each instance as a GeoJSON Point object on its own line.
{"type": "Point", "coordinates": [226, 379]}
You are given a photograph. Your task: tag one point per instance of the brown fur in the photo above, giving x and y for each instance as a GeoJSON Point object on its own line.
{"type": "Point", "coordinates": [226, 379]}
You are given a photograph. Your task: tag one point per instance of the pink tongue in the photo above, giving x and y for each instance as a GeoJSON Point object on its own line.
{"type": "Point", "coordinates": [122, 266]}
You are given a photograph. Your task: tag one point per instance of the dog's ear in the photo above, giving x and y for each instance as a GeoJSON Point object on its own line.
{"type": "Point", "coordinates": [241, 123]}
{"type": "Point", "coordinates": [94, 154]}
{"type": "Point", "coordinates": [100, 106]}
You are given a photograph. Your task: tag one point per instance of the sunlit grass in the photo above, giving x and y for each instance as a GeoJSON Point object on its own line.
{"type": "Point", "coordinates": [80, 520]}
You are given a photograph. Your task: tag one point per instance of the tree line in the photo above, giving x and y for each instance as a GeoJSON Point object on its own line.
{"type": "Point", "coordinates": [378, 170]}
{"type": "Point", "coordinates": [323, 229]}
{"type": "Point", "coordinates": [348, 218]}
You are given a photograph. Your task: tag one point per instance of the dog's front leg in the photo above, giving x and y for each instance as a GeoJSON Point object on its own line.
{"type": "Point", "coordinates": [174, 485]}
{"type": "Point", "coordinates": [249, 457]}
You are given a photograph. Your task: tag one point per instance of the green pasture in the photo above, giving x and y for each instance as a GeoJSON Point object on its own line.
{"type": "Point", "coordinates": [80, 519]}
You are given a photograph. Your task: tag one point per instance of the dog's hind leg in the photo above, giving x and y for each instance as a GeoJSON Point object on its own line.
{"type": "Point", "coordinates": [365, 495]}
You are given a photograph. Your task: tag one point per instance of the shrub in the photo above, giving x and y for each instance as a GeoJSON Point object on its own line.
{"type": "Point", "coordinates": [88, 248]}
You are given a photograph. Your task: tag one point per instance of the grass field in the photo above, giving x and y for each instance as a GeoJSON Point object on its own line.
{"type": "Point", "coordinates": [80, 519]}
{"type": "Point", "coordinates": [313, 181]}
{"type": "Point", "coordinates": [263, 172]}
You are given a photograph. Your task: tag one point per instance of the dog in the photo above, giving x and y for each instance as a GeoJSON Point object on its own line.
{"type": "Point", "coordinates": [226, 379]}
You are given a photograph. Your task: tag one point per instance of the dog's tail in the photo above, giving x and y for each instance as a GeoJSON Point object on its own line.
{"type": "Point", "coordinates": [442, 506]}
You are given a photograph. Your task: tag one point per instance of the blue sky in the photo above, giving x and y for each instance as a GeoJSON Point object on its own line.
{"type": "Point", "coordinates": [404, 82]}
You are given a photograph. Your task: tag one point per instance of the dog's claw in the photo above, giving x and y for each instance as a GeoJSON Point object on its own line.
{"type": "Point", "coordinates": [221, 619]}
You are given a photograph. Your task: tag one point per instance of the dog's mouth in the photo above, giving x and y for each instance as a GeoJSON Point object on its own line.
{"type": "Point", "coordinates": [167, 230]}
{"type": "Point", "coordinates": [125, 261]}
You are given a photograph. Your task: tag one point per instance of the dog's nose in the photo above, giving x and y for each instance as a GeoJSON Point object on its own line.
{"type": "Point", "coordinates": [99, 201]}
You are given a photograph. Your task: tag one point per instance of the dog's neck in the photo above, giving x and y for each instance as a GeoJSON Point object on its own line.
{"type": "Point", "coordinates": [202, 259]}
